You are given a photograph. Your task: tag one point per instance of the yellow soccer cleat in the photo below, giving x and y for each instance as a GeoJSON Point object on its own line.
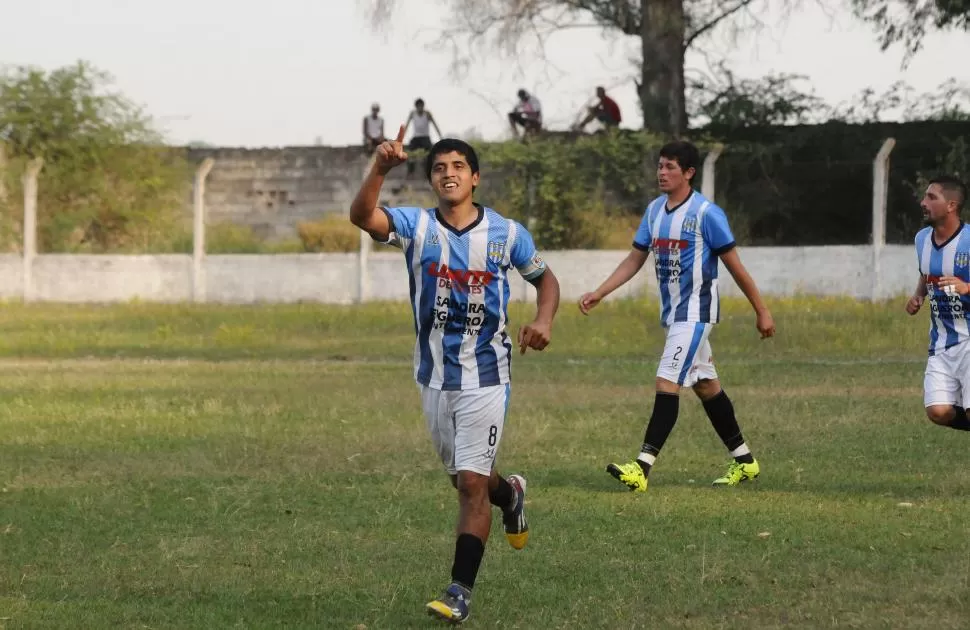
{"type": "Point", "coordinates": [738, 473]}
{"type": "Point", "coordinates": [452, 606]}
{"type": "Point", "coordinates": [516, 527]}
{"type": "Point", "coordinates": [630, 475]}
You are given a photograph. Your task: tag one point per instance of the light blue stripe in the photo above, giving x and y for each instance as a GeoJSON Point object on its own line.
{"type": "Point", "coordinates": [695, 343]}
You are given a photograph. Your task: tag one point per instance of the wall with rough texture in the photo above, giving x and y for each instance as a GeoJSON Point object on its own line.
{"type": "Point", "coordinates": [271, 190]}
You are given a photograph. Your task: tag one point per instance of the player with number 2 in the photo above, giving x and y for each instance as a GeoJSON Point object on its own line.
{"type": "Point", "coordinates": [688, 235]}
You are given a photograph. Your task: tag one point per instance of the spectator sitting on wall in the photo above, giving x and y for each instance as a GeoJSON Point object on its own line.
{"type": "Point", "coordinates": [422, 120]}
{"type": "Point", "coordinates": [606, 111]}
{"type": "Point", "coordinates": [373, 129]}
{"type": "Point", "coordinates": [527, 114]}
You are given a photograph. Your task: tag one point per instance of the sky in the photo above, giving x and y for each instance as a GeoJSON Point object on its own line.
{"type": "Point", "coordinates": [301, 72]}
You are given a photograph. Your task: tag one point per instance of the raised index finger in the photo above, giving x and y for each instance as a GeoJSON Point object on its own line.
{"type": "Point", "coordinates": [400, 134]}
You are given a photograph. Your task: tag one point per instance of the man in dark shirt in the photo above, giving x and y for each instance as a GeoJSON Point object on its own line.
{"type": "Point", "coordinates": [606, 111]}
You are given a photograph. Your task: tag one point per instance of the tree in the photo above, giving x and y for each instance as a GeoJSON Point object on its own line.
{"type": "Point", "coordinates": [729, 102]}
{"type": "Point", "coordinates": [950, 101]}
{"type": "Point", "coordinates": [107, 182]}
{"type": "Point", "coordinates": [666, 29]}
{"type": "Point", "coordinates": [66, 114]}
{"type": "Point", "coordinates": [908, 21]}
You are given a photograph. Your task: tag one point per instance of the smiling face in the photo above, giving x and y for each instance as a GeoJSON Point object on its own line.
{"type": "Point", "coordinates": [452, 178]}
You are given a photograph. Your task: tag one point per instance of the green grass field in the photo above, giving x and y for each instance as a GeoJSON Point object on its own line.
{"type": "Point", "coordinates": [268, 467]}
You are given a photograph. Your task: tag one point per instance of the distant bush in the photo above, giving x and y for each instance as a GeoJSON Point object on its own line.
{"type": "Point", "coordinates": [107, 184]}
{"type": "Point", "coordinates": [572, 192]}
{"type": "Point", "coordinates": [331, 234]}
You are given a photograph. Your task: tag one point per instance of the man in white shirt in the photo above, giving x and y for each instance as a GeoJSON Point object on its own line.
{"type": "Point", "coordinates": [422, 121]}
{"type": "Point", "coordinates": [527, 114]}
{"type": "Point", "coordinates": [373, 129]}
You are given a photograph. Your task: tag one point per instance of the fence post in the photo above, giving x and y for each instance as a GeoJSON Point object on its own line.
{"type": "Point", "coordinates": [198, 230]}
{"type": "Point", "coordinates": [30, 224]}
{"type": "Point", "coordinates": [363, 253]}
{"type": "Point", "coordinates": [3, 172]}
{"type": "Point", "coordinates": [707, 177]}
{"type": "Point", "coordinates": [880, 200]}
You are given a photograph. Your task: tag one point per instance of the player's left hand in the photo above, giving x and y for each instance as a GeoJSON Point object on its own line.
{"type": "Point", "coordinates": [766, 324]}
{"type": "Point", "coordinates": [959, 286]}
{"type": "Point", "coordinates": [535, 335]}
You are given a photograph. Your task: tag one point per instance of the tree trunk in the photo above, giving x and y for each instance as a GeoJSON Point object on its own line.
{"type": "Point", "coordinates": [662, 72]}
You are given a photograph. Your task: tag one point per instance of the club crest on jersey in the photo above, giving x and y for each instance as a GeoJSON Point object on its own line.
{"type": "Point", "coordinates": [690, 225]}
{"type": "Point", "coordinates": [432, 239]}
{"type": "Point", "coordinates": [962, 259]}
{"type": "Point", "coordinates": [496, 251]}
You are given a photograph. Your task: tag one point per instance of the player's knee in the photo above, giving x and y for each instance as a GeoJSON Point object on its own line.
{"type": "Point", "coordinates": [707, 388]}
{"type": "Point", "coordinates": [472, 486]}
{"type": "Point", "coordinates": [667, 386]}
{"type": "Point", "coordinates": [940, 414]}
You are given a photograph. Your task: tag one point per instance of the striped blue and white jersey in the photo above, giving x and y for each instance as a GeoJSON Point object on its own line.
{"type": "Point", "coordinates": [948, 310]}
{"type": "Point", "coordinates": [460, 293]}
{"type": "Point", "coordinates": [686, 241]}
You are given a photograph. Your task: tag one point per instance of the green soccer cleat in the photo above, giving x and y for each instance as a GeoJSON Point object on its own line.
{"type": "Point", "coordinates": [738, 473]}
{"type": "Point", "coordinates": [630, 475]}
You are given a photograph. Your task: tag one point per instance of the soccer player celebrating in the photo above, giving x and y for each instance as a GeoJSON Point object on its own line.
{"type": "Point", "coordinates": [687, 234]}
{"type": "Point", "coordinates": [943, 252]}
{"type": "Point", "coordinates": [458, 256]}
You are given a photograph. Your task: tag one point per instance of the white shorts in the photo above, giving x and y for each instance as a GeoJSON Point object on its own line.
{"type": "Point", "coordinates": [947, 378]}
{"type": "Point", "coordinates": [466, 426]}
{"type": "Point", "coordinates": [687, 354]}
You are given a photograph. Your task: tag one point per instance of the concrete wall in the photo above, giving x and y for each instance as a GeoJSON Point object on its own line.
{"type": "Point", "coordinates": [272, 190]}
{"type": "Point", "coordinates": [86, 278]}
{"type": "Point", "coordinates": [330, 278]}
{"type": "Point", "coordinates": [333, 278]}
{"type": "Point", "coordinates": [11, 276]}
{"type": "Point", "coordinates": [780, 271]}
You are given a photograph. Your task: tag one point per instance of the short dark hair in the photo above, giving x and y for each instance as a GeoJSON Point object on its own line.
{"type": "Point", "coordinates": [953, 188]}
{"type": "Point", "coordinates": [682, 152]}
{"type": "Point", "coordinates": [419, 102]}
{"type": "Point", "coordinates": [449, 145]}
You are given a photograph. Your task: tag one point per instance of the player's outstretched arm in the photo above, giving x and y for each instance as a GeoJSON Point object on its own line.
{"type": "Point", "coordinates": [364, 212]}
{"type": "Point", "coordinates": [765, 323]}
{"type": "Point", "coordinates": [916, 301]}
{"type": "Point", "coordinates": [538, 334]}
{"type": "Point", "coordinates": [628, 268]}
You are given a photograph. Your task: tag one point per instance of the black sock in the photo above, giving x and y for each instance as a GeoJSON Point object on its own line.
{"type": "Point", "coordinates": [502, 496]}
{"type": "Point", "coordinates": [469, 550]}
{"type": "Point", "coordinates": [720, 411]}
{"type": "Point", "coordinates": [662, 421]}
{"type": "Point", "coordinates": [960, 421]}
